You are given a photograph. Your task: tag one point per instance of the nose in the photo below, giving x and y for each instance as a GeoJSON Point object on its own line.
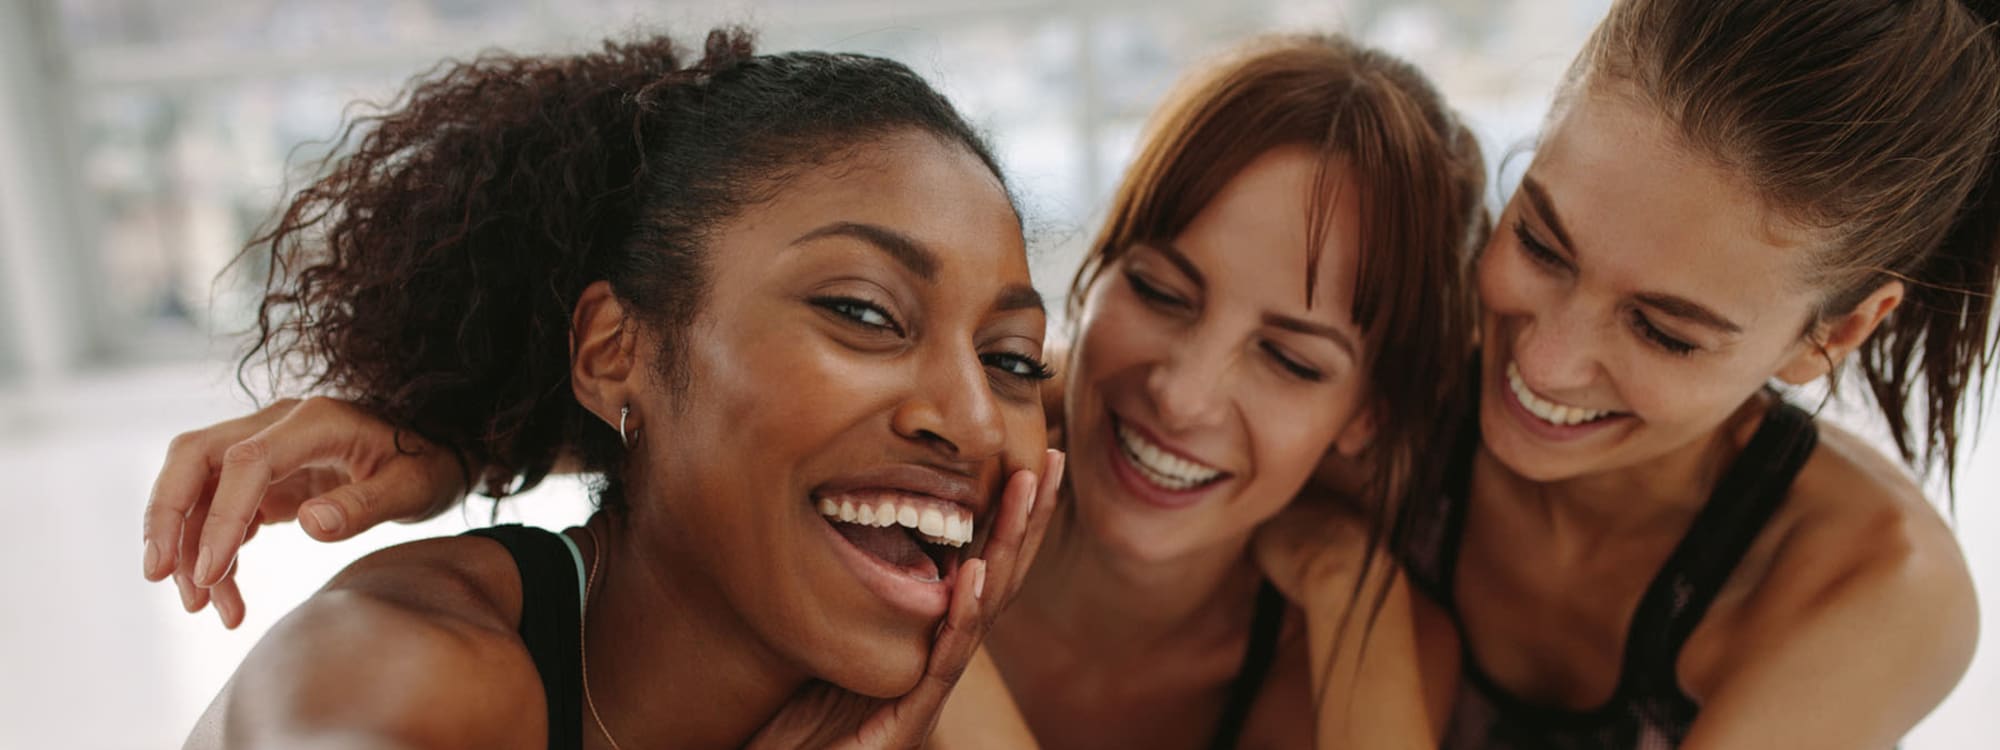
{"type": "Point", "coordinates": [951, 408]}
{"type": "Point", "coordinates": [1557, 348]}
{"type": "Point", "coordinates": [1186, 386]}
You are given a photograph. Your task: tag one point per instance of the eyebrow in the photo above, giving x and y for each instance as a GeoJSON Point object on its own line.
{"type": "Point", "coordinates": [1274, 320]}
{"type": "Point", "coordinates": [1688, 310]}
{"type": "Point", "coordinates": [1179, 259]}
{"type": "Point", "coordinates": [921, 260]}
{"type": "Point", "coordinates": [904, 249]}
{"type": "Point", "coordinates": [1546, 208]}
{"type": "Point", "coordinates": [1679, 307]}
{"type": "Point", "coordinates": [1019, 297]}
{"type": "Point", "coordinates": [1307, 327]}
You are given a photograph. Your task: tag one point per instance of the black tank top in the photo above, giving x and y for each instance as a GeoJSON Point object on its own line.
{"type": "Point", "coordinates": [1647, 710]}
{"type": "Point", "coordinates": [552, 578]}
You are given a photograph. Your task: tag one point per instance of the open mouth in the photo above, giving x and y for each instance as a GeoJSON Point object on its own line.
{"type": "Point", "coordinates": [1159, 466]}
{"type": "Point", "coordinates": [918, 535]}
{"type": "Point", "coordinates": [1549, 412]}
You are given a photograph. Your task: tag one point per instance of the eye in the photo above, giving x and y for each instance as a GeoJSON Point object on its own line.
{"type": "Point", "coordinates": [1659, 338]}
{"type": "Point", "coordinates": [1292, 365]}
{"type": "Point", "coordinates": [1018, 366]}
{"type": "Point", "coordinates": [1153, 294]}
{"type": "Point", "coordinates": [861, 312]}
{"type": "Point", "coordinates": [1536, 249]}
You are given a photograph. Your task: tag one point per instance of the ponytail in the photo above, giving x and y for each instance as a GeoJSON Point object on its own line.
{"type": "Point", "coordinates": [1942, 334]}
{"type": "Point", "coordinates": [430, 274]}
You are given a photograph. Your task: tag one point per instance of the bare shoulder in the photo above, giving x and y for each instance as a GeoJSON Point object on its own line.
{"type": "Point", "coordinates": [412, 646]}
{"type": "Point", "coordinates": [1857, 546]}
{"type": "Point", "coordinates": [1860, 519]}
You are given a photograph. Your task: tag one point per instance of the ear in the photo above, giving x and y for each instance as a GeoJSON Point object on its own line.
{"type": "Point", "coordinates": [1840, 336]}
{"type": "Point", "coordinates": [603, 353]}
{"type": "Point", "coordinates": [1360, 431]}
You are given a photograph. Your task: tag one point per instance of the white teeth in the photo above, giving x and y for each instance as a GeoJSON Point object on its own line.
{"type": "Point", "coordinates": [934, 521]}
{"type": "Point", "coordinates": [1545, 410]}
{"type": "Point", "coordinates": [1159, 466]}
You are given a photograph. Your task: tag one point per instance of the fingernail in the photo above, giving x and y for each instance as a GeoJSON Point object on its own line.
{"type": "Point", "coordinates": [1029, 509]}
{"type": "Point", "coordinates": [187, 592]}
{"type": "Point", "coordinates": [326, 517]}
{"type": "Point", "coordinates": [224, 612]}
{"type": "Point", "coordinates": [201, 563]}
{"type": "Point", "coordinates": [152, 557]}
{"type": "Point", "coordinates": [979, 581]}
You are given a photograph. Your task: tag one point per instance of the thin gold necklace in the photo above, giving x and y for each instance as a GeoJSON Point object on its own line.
{"type": "Point", "coordinates": [583, 632]}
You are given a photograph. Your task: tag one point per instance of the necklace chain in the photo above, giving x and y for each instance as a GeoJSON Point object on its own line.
{"type": "Point", "coordinates": [583, 633]}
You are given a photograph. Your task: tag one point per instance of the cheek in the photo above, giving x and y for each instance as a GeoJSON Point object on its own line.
{"type": "Point", "coordinates": [1507, 284]}
{"type": "Point", "coordinates": [1289, 437]}
{"type": "Point", "coordinates": [1115, 332]}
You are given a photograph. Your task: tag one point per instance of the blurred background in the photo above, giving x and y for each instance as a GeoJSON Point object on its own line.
{"type": "Point", "coordinates": [143, 141]}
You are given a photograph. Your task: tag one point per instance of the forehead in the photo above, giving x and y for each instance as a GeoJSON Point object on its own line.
{"type": "Point", "coordinates": [1254, 234]}
{"type": "Point", "coordinates": [936, 193]}
{"type": "Point", "coordinates": [1648, 213]}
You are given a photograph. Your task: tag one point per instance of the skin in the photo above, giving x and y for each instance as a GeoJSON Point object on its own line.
{"type": "Point", "coordinates": [1179, 340]}
{"type": "Point", "coordinates": [1854, 594]}
{"type": "Point", "coordinates": [795, 381]}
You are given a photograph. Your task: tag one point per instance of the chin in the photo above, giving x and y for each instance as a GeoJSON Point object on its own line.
{"type": "Point", "coordinates": [875, 666]}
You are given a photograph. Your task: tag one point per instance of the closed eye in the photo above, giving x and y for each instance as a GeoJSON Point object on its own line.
{"type": "Point", "coordinates": [1645, 328]}
{"type": "Point", "coordinates": [1291, 364]}
{"type": "Point", "coordinates": [1153, 294]}
{"type": "Point", "coordinates": [1537, 250]}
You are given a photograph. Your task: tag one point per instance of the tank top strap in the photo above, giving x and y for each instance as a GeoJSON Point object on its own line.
{"type": "Point", "coordinates": [1266, 625]}
{"type": "Point", "coordinates": [1748, 494]}
{"type": "Point", "coordinates": [552, 576]}
{"type": "Point", "coordinates": [1431, 525]}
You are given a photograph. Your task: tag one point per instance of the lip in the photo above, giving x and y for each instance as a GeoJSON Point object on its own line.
{"type": "Point", "coordinates": [1538, 428]}
{"type": "Point", "coordinates": [913, 479]}
{"type": "Point", "coordinates": [1138, 486]}
{"type": "Point", "coordinates": [926, 599]}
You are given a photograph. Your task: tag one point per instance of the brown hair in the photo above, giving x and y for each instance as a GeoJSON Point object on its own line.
{"type": "Point", "coordinates": [1873, 123]}
{"type": "Point", "coordinates": [1421, 180]}
{"type": "Point", "coordinates": [431, 272]}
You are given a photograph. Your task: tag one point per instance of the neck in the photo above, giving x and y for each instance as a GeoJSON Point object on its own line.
{"type": "Point", "coordinates": [655, 635]}
{"type": "Point", "coordinates": [1115, 605]}
{"type": "Point", "coordinates": [1664, 493]}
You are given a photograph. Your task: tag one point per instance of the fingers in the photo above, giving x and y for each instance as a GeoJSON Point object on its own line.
{"type": "Point", "coordinates": [1047, 497]}
{"type": "Point", "coordinates": [193, 597]}
{"type": "Point", "coordinates": [910, 719]}
{"type": "Point", "coordinates": [184, 482]}
{"type": "Point", "coordinates": [1002, 552]}
{"type": "Point", "coordinates": [228, 602]}
{"type": "Point", "coordinates": [317, 431]}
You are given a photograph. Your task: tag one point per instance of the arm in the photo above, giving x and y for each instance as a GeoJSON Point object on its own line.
{"type": "Point", "coordinates": [399, 651]}
{"type": "Point", "coordinates": [337, 469]}
{"type": "Point", "coordinates": [1853, 662]}
{"type": "Point", "coordinates": [981, 714]}
{"type": "Point", "coordinates": [1373, 677]}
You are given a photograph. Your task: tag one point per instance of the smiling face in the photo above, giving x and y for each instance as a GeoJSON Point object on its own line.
{"type": "Point", "coordinates": [868, 338]}
{"type": "Point", "coordinates": [1635, 297]}
{"type": "Point", "coordinates": [1203, 388]}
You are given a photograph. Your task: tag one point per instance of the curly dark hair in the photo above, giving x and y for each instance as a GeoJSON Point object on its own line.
{"type": "Point", "coordinates": [430, 274]}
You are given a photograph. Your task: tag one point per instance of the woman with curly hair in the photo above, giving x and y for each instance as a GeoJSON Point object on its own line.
{"type": "Point", "coordinates": [1288, 244]}
{"type": "Point", "coordinates": [751, 292]}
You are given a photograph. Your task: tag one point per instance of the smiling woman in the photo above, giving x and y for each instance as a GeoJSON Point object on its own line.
{"type": "Point", "coordinates": [804, 357]}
